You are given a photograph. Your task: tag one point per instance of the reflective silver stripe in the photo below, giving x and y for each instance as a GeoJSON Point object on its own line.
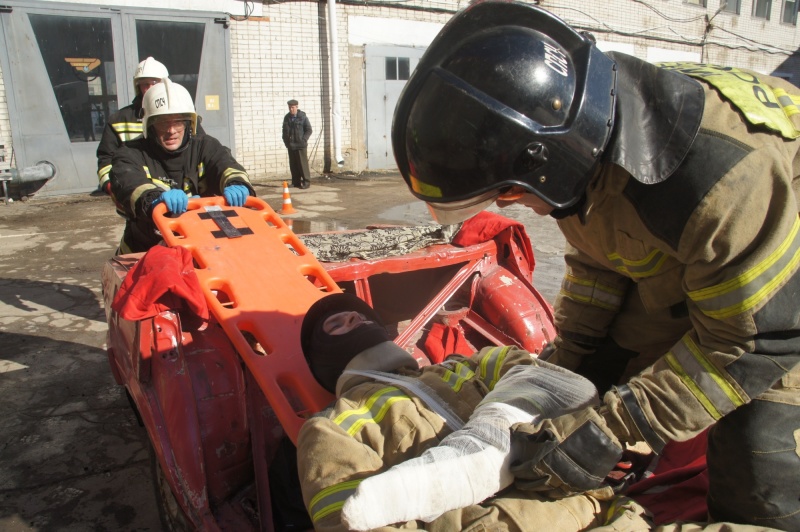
{"type": "Point", "coordinates": [638, 269]}
{"type": "Point", "coordinates": [127, 131]}
{"type": "Point", "coordinates": [230, 173]}
{"type": "Point", "coordinates": [788, 102]}
{"type": "Point", "coordinates": [748, 290]}
{"type": "Point", "coordinates": [591, 292]}
{"type": "Point", "coordinates": [707, 384]}
{"type": "Point", "coordinates": [102, 175]}
{"type": "Point", "coordinates": [373, 410]}
{"type": "Point", "coordinates": [141, 189]}
{"type": "Point", "coordinates": [639, 419]}
{"type": "Point", "coordinates": [418, 389]}
{"type": "Point", "coordinates": [457, 376]}
{"type": "Point", "coordinates": [490, 365]}
{"type": "Point", "coordinates": [331, 499]}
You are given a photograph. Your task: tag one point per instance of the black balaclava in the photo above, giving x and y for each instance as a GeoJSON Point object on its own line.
{"type": "Point", "coordinates": [327, 355]}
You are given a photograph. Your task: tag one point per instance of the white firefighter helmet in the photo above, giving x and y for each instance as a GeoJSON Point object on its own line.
{"type": "Point", "coordinates": [149, 68]}
{"type": "Point", "coordinates": [168, 98]}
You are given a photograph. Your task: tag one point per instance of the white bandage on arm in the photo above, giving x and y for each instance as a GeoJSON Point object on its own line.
{"type": "Point", "coordinates": [470, 464]}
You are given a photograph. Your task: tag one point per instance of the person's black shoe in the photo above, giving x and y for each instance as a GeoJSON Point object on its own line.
{"type": "Point", "coordinates": [305, 185]}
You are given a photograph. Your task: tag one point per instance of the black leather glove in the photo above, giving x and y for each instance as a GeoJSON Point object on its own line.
{"type": "Point", "coordinates": [565, 455]}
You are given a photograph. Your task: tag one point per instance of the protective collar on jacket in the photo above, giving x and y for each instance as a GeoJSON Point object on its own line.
{"type": "Point", "coordinates": [658, 115]}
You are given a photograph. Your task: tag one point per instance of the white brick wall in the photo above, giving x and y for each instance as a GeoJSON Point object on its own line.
{"type": "Point", "coordinates": [283, 53]}
{"type": "Point", "coordinates": [291, 42]}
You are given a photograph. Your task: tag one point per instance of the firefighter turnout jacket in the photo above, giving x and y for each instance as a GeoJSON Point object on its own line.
{"type": "Point", "coordinates": [373, 426]}
{"type": "Point", "coordinates": [698, 273]}
{"type": "Point", "coordinates": [142, 170]}
{"type": "Point", "coordinates": [123, 126]}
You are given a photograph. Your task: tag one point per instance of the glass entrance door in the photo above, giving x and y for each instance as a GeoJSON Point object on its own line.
{"type": "Point", "coordinates": [67, 68]}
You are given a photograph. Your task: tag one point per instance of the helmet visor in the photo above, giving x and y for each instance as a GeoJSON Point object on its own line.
{"type": "Point", "coordinates": [457, 211]}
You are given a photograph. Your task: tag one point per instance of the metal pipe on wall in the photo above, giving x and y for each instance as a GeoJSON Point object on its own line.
{"type": "Point", "coordinates": [335, 104]}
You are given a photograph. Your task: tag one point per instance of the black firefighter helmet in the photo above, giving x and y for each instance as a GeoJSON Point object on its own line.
{"type": "Point", "coordinates": [507, 94]}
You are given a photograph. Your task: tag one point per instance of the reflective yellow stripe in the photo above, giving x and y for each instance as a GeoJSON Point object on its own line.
{"type": "Point", "coordinates": [103, 171]}
{"type": "Point", "coordinates": [331, 499]}
{"type": "Point", "coordinates": [638, 269]}
{"type": "Point", "coordinates": [696, 391]}
{"type": "Point", "coordinates": [127, 131]}
{"type": "Point", "coordinates": [788, 101]}
{"type": "Point", "coordinates": [746, 291]}
{"type": "Point", "coordinates": [373, 411]}
{"type": "Point", "coordinates": [102, 175]}
{"type": "Point", "coordinates": [489, 368]}
{"type": "Point", "coordinates": [201, 170]}
{"type": "Point", "coordinates": [591, 292]}
{"type": "Point", "coordinates": [137, 193]}
{"type": "Point", "coordinates": [618, 507]}
{"type": "Point", "coordinates": [456, 377]}
{"type": "Point", "coordinates": [230, 173]}
{"type": "Point", "coordinates": [710, 369]}
{"type": "Point", "coordinates": [703, 378]}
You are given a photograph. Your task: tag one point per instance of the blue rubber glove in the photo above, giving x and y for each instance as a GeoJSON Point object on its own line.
{"type": "Point", "coordinates": [176, 200]}
{"type": "Point", "coordinates": [236, 195]}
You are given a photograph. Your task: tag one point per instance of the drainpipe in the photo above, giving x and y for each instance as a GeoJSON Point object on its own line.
{"type": "Point", "coordinates": [335, 106]}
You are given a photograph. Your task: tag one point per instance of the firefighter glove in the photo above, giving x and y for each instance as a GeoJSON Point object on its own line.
{"type": "Point", "coordinates": [236, 195]}
{"type": "Point", "coordinates": [569, 454]}
{"type": "Point", "coordinates": [175, 200]}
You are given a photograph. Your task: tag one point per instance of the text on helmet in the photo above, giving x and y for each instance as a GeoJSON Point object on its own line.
{"type": "Point", "coordinates": [555, 59]}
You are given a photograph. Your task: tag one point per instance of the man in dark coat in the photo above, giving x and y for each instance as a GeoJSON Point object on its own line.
{"type": "Point", "coordinates": [296, 132]}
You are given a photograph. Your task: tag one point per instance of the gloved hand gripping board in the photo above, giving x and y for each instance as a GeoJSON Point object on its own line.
{"type": "Point", "coordinates": [259, 280]}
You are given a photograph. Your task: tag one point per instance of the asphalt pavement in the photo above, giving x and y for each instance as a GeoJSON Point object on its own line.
{"type": "Point", "coordinates": [72, 456]}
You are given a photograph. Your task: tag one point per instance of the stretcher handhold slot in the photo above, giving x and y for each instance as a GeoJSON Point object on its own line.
{"type": "Point", "coordinates": [222, 296]}
{"type": "Point", "coordinates": [257, 347]}
{"type": "Point", "coordinates": [260, 312]}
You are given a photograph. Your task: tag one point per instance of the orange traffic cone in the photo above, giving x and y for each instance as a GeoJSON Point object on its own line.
{"type": "Point", "coordinates": [287, 201]}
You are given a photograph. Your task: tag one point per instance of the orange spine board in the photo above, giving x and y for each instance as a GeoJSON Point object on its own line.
{"type": "Point", "coordinates": [259, 280]}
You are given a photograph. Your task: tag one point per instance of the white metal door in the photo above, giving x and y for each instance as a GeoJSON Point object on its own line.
{"type": "Point", "coordinates": [387, 70]}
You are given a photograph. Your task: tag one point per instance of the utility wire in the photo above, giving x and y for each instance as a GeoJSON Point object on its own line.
{"type": "Point", "coordinates": [590, 22]}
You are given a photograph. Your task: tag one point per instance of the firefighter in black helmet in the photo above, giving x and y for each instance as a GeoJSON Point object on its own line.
{"type": "Point", "coordinates": [676, 187]}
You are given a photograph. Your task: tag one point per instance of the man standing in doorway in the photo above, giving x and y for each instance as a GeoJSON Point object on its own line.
{"type": "Point", "coordinates": [296, 132]}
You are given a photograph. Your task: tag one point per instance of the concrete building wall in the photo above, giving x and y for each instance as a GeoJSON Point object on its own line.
{"type": "Point", "coordinates": [281, 51]}
{"type": "Point", "coordinates": [5, 129]}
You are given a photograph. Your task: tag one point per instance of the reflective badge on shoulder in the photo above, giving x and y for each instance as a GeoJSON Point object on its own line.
{"type": "Point", "coordinates": [760, 103]}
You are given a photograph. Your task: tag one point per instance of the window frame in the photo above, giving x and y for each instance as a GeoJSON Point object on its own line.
{"type": "Point", "coordinates": [767, 14]}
